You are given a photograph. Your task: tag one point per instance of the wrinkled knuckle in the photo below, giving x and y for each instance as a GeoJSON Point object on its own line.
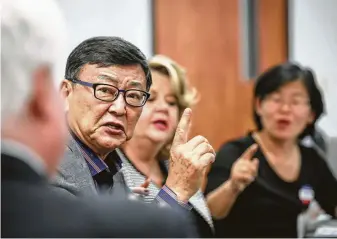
{"type": "Point", "coordinates": [210, 157]}
{"type": "Point", "coordinates": [211, 149]}
{"type": "Point", "coordinates": [194, 161]}
{"type": "Point", "coordinates": [201, 138]}
{"type": "Point", "coordinates": [179, 150]}
{"type": "Point", "coordinates": [185, 155]}
{"type": "Point", "coordinates": [180, 132]}
{"type": "Point", "coordinates": [205, 144]}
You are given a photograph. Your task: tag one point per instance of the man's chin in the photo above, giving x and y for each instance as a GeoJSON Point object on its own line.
{"type": "Point", "coordinates": [112, 144]}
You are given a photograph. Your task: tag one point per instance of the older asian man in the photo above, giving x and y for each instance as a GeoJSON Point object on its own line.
{"type": "Point", "coordinates": [107, 80]}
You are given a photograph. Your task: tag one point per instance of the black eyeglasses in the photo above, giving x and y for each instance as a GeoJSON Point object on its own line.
{"type": "Point", "coordinates": [110, 93]}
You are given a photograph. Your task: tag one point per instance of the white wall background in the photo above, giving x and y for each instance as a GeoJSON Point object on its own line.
{"type": "Point", "coordinates": [129, 19]}
{"type": "Point", "coordinates": [313, 42]}
{"type": "Point", "coordinates": [312, 39]}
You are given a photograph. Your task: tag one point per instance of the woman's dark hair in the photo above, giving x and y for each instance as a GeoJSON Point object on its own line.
{"type": "Point", "coordinates": [275, 77]}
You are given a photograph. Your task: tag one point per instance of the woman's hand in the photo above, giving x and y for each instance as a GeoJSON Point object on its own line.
{"type": "Point", "coordinates": [244, 170]}
{"type": "Point", "coordinates": [142, 189]}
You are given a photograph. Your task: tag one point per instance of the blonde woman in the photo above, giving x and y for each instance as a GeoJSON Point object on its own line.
{"type": "Point", "coordinates": [145, 156]}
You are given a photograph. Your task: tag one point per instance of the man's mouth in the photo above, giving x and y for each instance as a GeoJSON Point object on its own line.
{"type": "Point", "coordinates": [115, 127]}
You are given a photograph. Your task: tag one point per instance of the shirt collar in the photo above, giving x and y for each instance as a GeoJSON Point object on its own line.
{"type": "Point", "coordinates": [95, 163]}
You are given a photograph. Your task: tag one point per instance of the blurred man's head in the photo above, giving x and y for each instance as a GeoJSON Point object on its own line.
{"type": "Point", "coordinates": [32, 38]}
{"type": "Point", "coordinates": [105, 86]}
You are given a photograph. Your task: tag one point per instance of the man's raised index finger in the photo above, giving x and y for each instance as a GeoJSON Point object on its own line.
{"type": "Point", "coordinates": [183, 128]}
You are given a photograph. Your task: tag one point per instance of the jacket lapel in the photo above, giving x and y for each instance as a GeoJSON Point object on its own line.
{"type": "Point", "coordinates": [73, 172]}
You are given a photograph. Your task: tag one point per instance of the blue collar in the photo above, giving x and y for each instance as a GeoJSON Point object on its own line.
{"type": "Point", "coordinates": [95, 163]}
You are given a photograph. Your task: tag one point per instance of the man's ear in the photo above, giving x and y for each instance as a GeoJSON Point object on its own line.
{"type": "Point", "coordinates": [66, 89]}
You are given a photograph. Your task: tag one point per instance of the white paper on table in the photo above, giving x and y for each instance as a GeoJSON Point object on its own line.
{"type": "Point", "coordinates": [326, 231]}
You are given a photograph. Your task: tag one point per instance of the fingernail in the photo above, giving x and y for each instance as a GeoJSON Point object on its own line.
{"type": "Point", "coordinates": [187, 111]}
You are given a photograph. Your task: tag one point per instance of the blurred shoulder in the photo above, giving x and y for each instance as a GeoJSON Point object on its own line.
{"type": "Point", "coordinates": [311, 155]}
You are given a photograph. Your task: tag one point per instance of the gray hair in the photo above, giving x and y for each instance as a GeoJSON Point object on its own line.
{"type": "Point", "coordinates": [32, 34]}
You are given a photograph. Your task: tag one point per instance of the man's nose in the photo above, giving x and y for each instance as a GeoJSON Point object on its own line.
{"type": "Point", "coordinates": [118, 106]}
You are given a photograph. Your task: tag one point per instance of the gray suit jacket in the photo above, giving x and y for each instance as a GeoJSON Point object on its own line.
{"type": "Point", "coordinates": [74, 178]}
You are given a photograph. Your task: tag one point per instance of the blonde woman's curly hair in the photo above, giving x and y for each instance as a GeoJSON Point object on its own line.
{"type": "Point", "coordinates": [186, 96]}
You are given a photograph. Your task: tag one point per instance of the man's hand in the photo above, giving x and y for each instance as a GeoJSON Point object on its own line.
{"type": "Point", "coordinates": [188, 160]}
{"type": "Point", "coordinates": [244, 170]}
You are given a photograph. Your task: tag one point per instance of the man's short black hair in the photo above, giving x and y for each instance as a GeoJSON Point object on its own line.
{"type": "Point", "coordinates": [106, 51]}
{"type": "Point", "coordinates": [276, 77]}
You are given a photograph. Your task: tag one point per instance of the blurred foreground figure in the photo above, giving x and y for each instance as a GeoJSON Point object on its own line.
{"type": "Point", "coordinates": [33, 135]}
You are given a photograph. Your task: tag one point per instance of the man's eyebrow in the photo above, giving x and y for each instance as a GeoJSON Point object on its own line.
{"type": "Point", "coordinates": [108, 77]}
{"type": "Point", "coordinates": [114, 79]}
{"type": "Point", "coordinates": [136, 84]}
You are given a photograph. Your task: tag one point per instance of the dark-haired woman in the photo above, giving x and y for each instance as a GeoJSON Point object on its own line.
{"type": "Point", "coordinates": [260, 183]}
